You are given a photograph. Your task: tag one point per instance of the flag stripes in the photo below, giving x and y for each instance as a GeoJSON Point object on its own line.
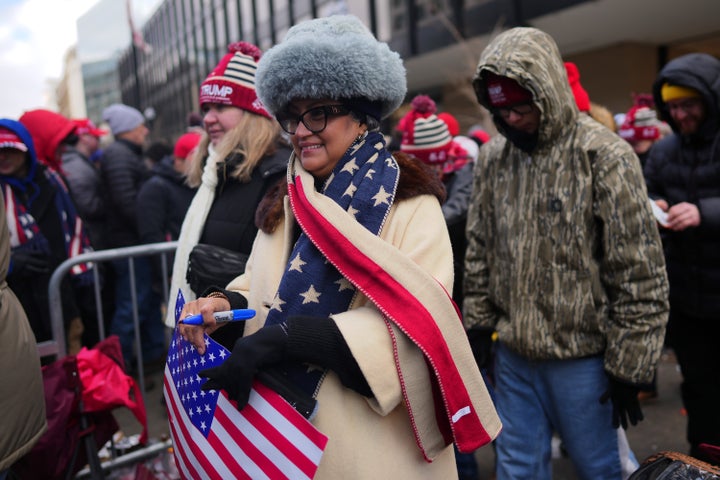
{"type": "Point", "coordinates": [267, 439]}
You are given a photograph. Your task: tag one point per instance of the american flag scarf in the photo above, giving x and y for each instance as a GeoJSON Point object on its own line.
{"type": "Point", "coordinates": [363, 183]}
{"type": "Point", "coordinates": [445, 396]}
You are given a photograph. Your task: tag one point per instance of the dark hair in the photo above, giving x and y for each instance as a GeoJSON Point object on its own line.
{"type": "Point", "coordinates": [157, 150]}
{"type": "Point", "coordinates": [194, 119]}
{"type": "Point", "coordinates": [72, 140]}
{"type": "Point", "coordinates": [372, 123]}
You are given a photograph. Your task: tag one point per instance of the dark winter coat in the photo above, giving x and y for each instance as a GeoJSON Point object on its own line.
{"type": "Point", "coordinates": [459, 187]}
{"type": "Point", "coordinates": [228, 224]}
{"type": "Point", "coordinates": [86, 188]}
{"type": "Point", "coordinates": [682, 168]}
{"type": "Point", "coordinates": [123, 172]}
{"type": "Point", "coordinates": [161, 206]}
{"type": "Point", "coordinates": [39, 199]}
{"type": "Point", "coordinates": [162, 203]}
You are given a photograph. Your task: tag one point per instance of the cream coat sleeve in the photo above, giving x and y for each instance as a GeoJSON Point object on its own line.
{"type": "Point", "coordinates": [417, 228]}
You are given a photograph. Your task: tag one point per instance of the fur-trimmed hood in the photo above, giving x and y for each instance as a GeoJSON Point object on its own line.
{"type": "Point", "coordinates": [416, 179]}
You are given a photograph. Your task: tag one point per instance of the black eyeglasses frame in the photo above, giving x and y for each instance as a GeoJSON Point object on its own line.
{"type": "Point", "coordinates": [289, 123]}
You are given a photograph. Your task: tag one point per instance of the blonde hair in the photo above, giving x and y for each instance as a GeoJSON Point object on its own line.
{"type": "Point", "coordinates": [603, 116]}
{"type": "Point", "coordinates": [253, 137]}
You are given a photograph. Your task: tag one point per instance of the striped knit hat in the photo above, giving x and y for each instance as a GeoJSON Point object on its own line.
{"type": "Point", "coordinates": [232, 81]}
{"type": "Point", "coordinates": [424, 135]}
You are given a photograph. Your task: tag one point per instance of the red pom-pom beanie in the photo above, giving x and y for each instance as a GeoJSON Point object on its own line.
{"type": "Point", "coordinates": [232, 81]}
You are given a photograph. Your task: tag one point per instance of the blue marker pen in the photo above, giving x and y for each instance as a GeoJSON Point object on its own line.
{"type": "Point", "coordinates": [221, 317]}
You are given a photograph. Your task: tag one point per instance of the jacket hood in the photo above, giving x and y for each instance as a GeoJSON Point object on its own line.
{"type": "Point", "coordinates": [165, 169]}
{"type": "Point", "coordinates": [48, 130]}
{"type": "Point", "coordinates": [531, 58]}
{"type": "Point", "coordinates": [19, 129]}
{"type": "Point", "coordinates": [701, 72]}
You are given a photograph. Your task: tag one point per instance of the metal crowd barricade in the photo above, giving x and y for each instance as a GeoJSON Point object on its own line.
{"type": "Point", "coordinates": [57, 346]}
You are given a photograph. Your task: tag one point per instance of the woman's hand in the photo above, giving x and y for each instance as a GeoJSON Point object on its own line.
{"type": "Point", "coordinates": [205, 307]}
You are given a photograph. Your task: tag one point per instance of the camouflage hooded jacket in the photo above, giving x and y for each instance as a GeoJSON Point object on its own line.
{"type": "Point", "coordinates": [564, 257]}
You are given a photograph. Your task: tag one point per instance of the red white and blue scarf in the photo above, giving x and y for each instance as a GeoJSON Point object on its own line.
{"type": "Point", "coordinates": [443, 391]}
{"type": "Point", "coordinates": [25, 232]}
{"type": "Point", "coordinates": [363, 183]}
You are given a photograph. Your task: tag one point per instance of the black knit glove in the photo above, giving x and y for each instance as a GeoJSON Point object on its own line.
{"type": "Point", "coordinates": [624, 397]}
{"type": "Point", "coordinates": [263, 348]}
{"type": "Point", "coordinates": [481, 343]}
{"type": "Point", "coordinates": [27, 263]}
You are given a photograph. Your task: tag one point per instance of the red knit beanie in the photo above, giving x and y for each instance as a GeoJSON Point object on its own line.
{"type": "Point", "coordinates": [424, 134]}
{"type": "Point", "coordinates": [451, 122]}
{"type": "Point", "coordinates": [504, 91]}
{"type": "Point", "coordinates": [582, 99]}
{"type": "Point", "coordinates": [641, 123]}
{"type": "Point", "coordinates": [232, 81]}
{"type": "Point", "coordinates": [186, 144]}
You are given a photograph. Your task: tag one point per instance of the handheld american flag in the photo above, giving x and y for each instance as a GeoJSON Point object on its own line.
{"type": "Point", "coordinates": [268, 438]}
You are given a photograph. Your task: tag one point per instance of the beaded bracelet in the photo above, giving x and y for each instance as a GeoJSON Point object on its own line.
{"type": "Point", "coordinates": [217, 295]}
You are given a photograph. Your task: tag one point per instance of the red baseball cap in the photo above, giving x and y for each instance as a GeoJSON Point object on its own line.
{"type": "Point", "coordinates": [8, 139]}
{"type": "Point", "coordinates": [85, 126]}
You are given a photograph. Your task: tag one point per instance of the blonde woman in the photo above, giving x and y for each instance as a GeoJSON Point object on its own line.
{"type": "Point", "coordinates": [238, 159]}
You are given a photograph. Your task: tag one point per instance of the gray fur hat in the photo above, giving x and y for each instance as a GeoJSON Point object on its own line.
{"type": "Point", "coordinates": [333, 57]}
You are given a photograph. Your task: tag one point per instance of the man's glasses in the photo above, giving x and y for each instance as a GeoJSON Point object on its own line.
{"type": "Point", "coordinates": [519, 109]}
{"type": "Point", "coordinates": [314, 119]}
{"type": "Point", "coordinates": [686, 105]}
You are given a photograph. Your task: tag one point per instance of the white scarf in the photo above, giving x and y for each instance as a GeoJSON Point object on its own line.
{"type": "Point", "coordinates": [192, 227]}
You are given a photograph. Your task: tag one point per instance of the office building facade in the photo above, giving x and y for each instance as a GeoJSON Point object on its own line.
{"type": "Point", "coordinates": [618, 45]}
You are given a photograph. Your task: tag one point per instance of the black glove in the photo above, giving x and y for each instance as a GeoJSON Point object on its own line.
{"type": "Point", "coordinates": [624, 397]}
{"type": "Point", "coordinates": [26, 263]}
{"type": "Point", "coordinates": [265, 347]}
{"type": "Point", "coordinates": [481, 343]}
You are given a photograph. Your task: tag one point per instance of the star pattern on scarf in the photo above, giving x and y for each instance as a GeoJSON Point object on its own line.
{"type": "Point", "coordinates": [381, 197]}
{"type": "Point", "coordinates": [343, 284]}
{"type": "Point", "coordinates": [369, 174]}
{"type": "Point", "coordinates": [311, 295]}
{"type": "Point", "coordinates": [350, 190]}
{"type": "Point", "coordinates": [350, 167]}
{"type": "Point", "coordinates": [353, 211]}
{"type": "Point", "coordinates": [277, 303]}
{"type": "Point", "coordinates": [297, 263]}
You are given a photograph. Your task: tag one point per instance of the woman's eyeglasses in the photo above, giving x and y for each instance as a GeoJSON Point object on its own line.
{"type": "Point", "coordinates": [314, 119]}
{"type": "Point", "coordinates": [519, 109]}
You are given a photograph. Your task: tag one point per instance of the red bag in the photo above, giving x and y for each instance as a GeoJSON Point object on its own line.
{"type": "Point", "coordinates": [60, 446]}
{"type": "Point", "coordinates": [104, 386]}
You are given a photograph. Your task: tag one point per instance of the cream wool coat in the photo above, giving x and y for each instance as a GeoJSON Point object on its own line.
{"type": "Point", "coordinates": [368, 438]}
